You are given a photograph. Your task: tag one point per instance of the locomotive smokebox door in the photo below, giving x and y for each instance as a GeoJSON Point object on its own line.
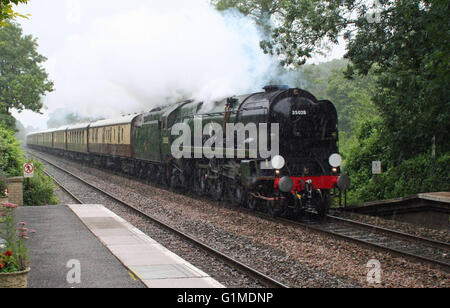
{"type": "Point", "coordinates": [286, 184]}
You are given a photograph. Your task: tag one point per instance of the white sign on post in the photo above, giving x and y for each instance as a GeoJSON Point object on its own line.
{"type": "Point", "coordinates": [28, 170]}
{"type": "Point", "coordinates": [376, 167]}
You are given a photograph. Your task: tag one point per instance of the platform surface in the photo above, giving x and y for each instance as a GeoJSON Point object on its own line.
{"type": "Point", "coordinates": [61, 238]}
{"type": "Point", "coordinates": [438, 196]}
{"type": "Point", "coordinates": [156, 266]}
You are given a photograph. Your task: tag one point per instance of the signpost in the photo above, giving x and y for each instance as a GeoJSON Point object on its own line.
{"type": "Point", "coordinates": [28, 173]}
{"type": "Point", "coordinates": [28, 170]}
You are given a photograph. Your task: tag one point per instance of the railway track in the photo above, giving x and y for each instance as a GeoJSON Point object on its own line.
{"type": "Point", "coordinates": [243, 268]}
{"type": "Point", "coordinates": [418, 249]}
{"type": "Point", "coordinates": [433, 253]}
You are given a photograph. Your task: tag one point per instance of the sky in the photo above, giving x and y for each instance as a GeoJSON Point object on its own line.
{"type": "Point", "coordinates": [109, 58]}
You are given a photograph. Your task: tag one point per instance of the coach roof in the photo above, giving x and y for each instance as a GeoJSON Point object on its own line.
{"type": "Point", "coordinates": [77, 126]}
{"type": "Point", "coordinates": [117, 121]}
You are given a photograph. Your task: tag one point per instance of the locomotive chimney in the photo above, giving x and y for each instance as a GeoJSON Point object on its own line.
{"type": "Point", "coordinates": [273, 88]}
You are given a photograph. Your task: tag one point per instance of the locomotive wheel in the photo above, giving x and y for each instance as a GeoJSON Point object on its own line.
{"type": "Point", "coordinates": [217, 189]}
{"type": "Point", "coordinates": [177, 180]}
{"type": "Point", "coordinates": [201, 183]}
{"type": "Point", "coordinates": [153, 174]}
{"type": "Point", "coordinates": [275, 208]}
{"type": "Point", "coordinates": [162, 177]}
{"type": "Point", "coordinates": [238, 195]}
{"type": "Point", "coordinates": [252, 203]}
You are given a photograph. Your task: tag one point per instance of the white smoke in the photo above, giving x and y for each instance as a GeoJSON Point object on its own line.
{"type": "Point", "coordinates": [126, 57]}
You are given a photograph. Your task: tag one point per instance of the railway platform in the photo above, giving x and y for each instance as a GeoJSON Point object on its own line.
{"type": "Point", "coordinates": [428, 209]}
{"type": "Point", "coordinates": [88, 246]}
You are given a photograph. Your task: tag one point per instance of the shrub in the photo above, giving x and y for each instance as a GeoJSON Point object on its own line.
{"type": "Point", "coordinates": [41, 188]}
{"type": "Point", "coordinates": [11, 157]}
{"type": "Point", "coordinates": [419, 174]}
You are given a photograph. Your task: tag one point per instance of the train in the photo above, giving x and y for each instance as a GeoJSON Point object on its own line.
{"type": "Point", "coordinates": [301, 177]}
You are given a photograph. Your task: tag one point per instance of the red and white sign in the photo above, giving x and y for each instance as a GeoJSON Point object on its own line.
{"type": "Point", "coordinates": [28, 170]}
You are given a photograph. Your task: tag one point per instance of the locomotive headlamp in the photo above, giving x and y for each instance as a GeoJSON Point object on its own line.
{"type": "Point", "coordinates": [278, 172]}
{"type": "Point", "coordinates": [335, 160]}
{"type": "Point", "coordinates": [335, 170]}
{"type": "Point", "coordinates": [278, 162]}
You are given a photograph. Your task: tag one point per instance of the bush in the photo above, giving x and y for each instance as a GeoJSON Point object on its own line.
{"type": "Point", "coordinates": [420, 174]}
{"type": "Point", "coordinates": [41, 188]}
{"type": "Point", "coordinates": [11, 157]}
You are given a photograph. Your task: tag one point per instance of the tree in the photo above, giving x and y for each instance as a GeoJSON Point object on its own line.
{"type": "Point", "coordinates": [7, 12]}
{"type": "Point", "coordinates": [404, 42]}
{"type": "Point", "coordinates": [260, 10]}
{"type": "Point", "coordinates": [298, 28]}
{"type": "Point", "coordinates": [23, 81]}
{"type": "Point", "coordinates": [352, 98]}
{"type": "Point", "coordinates": [411, 51]}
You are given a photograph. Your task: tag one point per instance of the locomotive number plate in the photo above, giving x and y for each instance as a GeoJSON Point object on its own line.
{"type": "Point", "coordinates": [299, 112]}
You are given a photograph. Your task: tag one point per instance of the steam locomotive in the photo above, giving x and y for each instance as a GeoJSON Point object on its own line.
{"type": "Point", "coordinates": [302, 176]}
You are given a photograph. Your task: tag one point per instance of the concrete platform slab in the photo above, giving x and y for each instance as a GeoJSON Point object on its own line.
{"type": "Point", "coordinates": [60, 240]}
{"type": "Point", "coordinates": [145, 258]}
{"type": "Point", "coordinates": [168, 271]}
{"type": "Point", "coordinates": [196, 283]}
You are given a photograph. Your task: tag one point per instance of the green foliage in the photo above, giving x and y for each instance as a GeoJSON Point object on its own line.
{"type": "Point", "coordinates": [411, 51]}
{"type": "Point", "coordinates": [296, 29]}
{"type": "Point", "coordinates": [3, 187]}
{"type": "Point", "coordinates": [41, 190]}
{"type": "Point", "coordinates": [8, 121]}
{"type": "Point", "coordinates": [15, 256]}
{"type": "Point", "coordinates": [421, 174]}
{"type": "Point", "coordinates": [11, 156]}
{"type": "Point", "coordinates": [7, 12]}
{"type": "Point", "coordinates": [352, 98]}
{"type": "Point", "coordinates": [23, 81]}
